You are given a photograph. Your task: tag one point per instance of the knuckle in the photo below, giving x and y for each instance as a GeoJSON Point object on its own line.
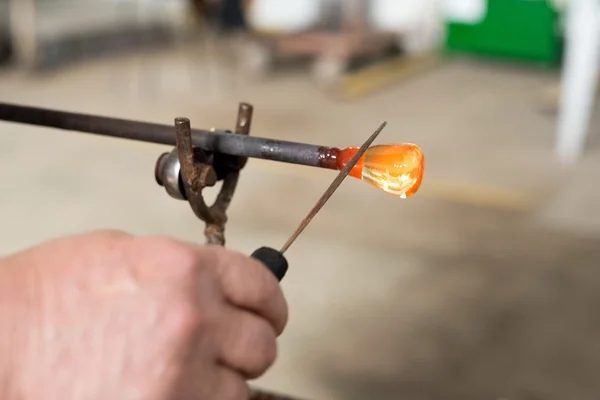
{"type": "Point", "coordinates": [251, 283]}
{"type": "Point", "coordinates": [164, 242]}
{"type": "Point", "coordinates": [108, 235]}
{"type": "Point", "coordinates": [268, 290]}
{"type": "Point", "coordinates": [269, 355]}
{"type": "Point", "coordinates": [184, 259]}
{"type": "Point", "coordinates": [260, 351]}
{"type": "Point", "coordinates": [262, 364]}
{"type": "Point", "coordinates": [188, 265]}
{"type": "Point", "coordinates": [183, 319]}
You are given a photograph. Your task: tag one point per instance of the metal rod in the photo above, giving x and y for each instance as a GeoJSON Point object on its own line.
{"type": "Point", "coordinates": [217, 141]}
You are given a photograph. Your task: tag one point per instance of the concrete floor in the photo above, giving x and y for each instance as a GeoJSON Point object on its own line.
{"type": "Point", "coordinates": [484, 286]}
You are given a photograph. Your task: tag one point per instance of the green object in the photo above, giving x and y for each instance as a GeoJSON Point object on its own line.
{"type": "Point", "coordinates": [526, 30]}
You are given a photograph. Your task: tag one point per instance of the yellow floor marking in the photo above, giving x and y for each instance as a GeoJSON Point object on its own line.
{"type": "Point", "coordinates": [437, 189]}
{"type": "Point", "coordinates": [386, 73]}
{"type": "Point", "coordinates": [478, 195]}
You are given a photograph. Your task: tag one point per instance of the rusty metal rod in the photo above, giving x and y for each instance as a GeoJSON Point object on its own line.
{"type": "Point", "coordinates": [217, 141]}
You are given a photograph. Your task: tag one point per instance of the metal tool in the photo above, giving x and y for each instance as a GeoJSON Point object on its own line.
{"type": "Point", "coordinates": [275, 260]}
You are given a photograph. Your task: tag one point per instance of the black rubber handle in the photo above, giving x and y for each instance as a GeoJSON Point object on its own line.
{"type": "Point", "coordinates": [273, 259]}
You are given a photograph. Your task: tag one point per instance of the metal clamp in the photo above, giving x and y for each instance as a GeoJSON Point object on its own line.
{"type": "Point", "coordinates": [187, 170]}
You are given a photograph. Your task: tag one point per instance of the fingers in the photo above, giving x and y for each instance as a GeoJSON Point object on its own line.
{"type": "Point", "coordinates": [245, 282]}
{"type": "Point", "coordinates": [230, 385]}
{"type": "Point", "coordinates": [248, 343]}
{"type": "Point", "coordinates": [248, 284]}
{"type": "Point", "coordinates": [219, 383]}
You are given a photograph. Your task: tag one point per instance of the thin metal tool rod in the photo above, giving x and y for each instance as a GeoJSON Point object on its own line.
{"type": "Point", "coordinates": [218, 142]}
{"type": "Point", "coordinates": [332, 188]}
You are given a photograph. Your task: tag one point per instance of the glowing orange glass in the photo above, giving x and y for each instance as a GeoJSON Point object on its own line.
{"type": "Point", "coordinates": [394, 168]}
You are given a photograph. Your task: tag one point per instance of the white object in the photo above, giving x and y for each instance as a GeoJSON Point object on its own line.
{"type": "Point", "coordinates": [396, 15]}
{"type": "Point", "coordinates": [580, 76]}
{"type": "Point", "coordinates": [464, 11]}
{"type": "Point", "coordinates": [418, 21]}
{"type": "Point", "coordinates": [284, 15]}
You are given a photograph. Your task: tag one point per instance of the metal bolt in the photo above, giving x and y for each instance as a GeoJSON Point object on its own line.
{"type": "Point", "coordinates": [167, 175]}
{"type": "Point", "coordinates": [208, 176]}
{"type": "Point", "coordinates": [160, 166]}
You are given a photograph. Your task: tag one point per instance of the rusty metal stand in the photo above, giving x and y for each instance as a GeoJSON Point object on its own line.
{"type": "Point", "coordinates": [201, 169]}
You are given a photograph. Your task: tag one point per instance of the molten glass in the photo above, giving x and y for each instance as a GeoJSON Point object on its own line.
{"type": "Point", "coordinates": [394, 168]}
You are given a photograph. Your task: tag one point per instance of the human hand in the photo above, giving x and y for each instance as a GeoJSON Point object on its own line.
{"type": "Point", "coordinates": [110, 316]}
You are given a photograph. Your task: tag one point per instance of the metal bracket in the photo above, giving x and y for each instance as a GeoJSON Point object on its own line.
{"type": "Point", "coordinates": [199, 169]}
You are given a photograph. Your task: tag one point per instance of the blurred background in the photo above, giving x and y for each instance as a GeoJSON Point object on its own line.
{"type": "Point", "coordinates": [485, 285]}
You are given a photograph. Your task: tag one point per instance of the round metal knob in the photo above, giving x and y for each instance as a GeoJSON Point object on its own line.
{"type": "Point", "coordinates": [167, 174]}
